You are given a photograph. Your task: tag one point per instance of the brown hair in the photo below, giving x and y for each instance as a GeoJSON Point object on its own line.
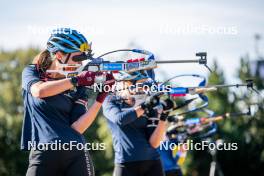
{"type": "Point", "coordinates": [43, 61]}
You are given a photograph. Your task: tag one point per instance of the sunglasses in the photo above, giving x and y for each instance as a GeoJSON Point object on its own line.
{"type": "Point", "coordinates": [84, 56]}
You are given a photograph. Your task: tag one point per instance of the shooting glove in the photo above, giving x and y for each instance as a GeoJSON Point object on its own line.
{"type": "Point", "coordinates": [110, 81]}
{"type": "Point", "coordinates": [167, 105]}
{"type": "Point", "coordinates": [86, 78]}
{"type": "Point", "coordinates": [150, 102]}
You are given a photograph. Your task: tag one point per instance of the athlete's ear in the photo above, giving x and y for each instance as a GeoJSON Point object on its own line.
{"type": "Point", "coordinates": [59, 55]}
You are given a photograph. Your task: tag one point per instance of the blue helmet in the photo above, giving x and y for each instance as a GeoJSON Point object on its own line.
{"type": "Point", "coordinates": [68, 41]}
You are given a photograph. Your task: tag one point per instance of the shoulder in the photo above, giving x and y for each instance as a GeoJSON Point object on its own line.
{"type": "Point", "coordinates": [30, 75]}
{"type": "Point", "coordinates": [30, 69]}
{"type": "Point", "coordinates": [112, 100]}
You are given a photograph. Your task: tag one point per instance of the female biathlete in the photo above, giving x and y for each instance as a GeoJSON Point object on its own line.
{"type": "Point", "coordinates": [55, 112]}
{"type": "Point", "coordinates": [136, 134]}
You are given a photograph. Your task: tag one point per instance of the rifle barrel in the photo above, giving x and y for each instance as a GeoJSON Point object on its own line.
{"type": "Point", "coordinates": [176, 61]}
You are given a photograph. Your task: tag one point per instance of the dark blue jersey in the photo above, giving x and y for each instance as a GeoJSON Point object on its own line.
{"type": "Point", "coordinates": [47, 120]}
{"type": "Point", "coordinates": [130, 134]}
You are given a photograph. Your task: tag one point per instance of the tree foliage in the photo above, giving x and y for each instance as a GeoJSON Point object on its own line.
{"type": "Point", "coordinates": [246, 131]}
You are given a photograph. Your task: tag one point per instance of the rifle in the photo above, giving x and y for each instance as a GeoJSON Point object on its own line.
{"type": "Point", "coordinates": [147, 63]}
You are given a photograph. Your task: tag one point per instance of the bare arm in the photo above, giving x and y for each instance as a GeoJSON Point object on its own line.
{"type": "Point", "coordinates": [50, 88]}
{"type": "Point", "coordinates": [158, 134]}
{"type": "Point", "coordinates": [113, 112]}
{"type": "Point", "coordinates": [87, 119]}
